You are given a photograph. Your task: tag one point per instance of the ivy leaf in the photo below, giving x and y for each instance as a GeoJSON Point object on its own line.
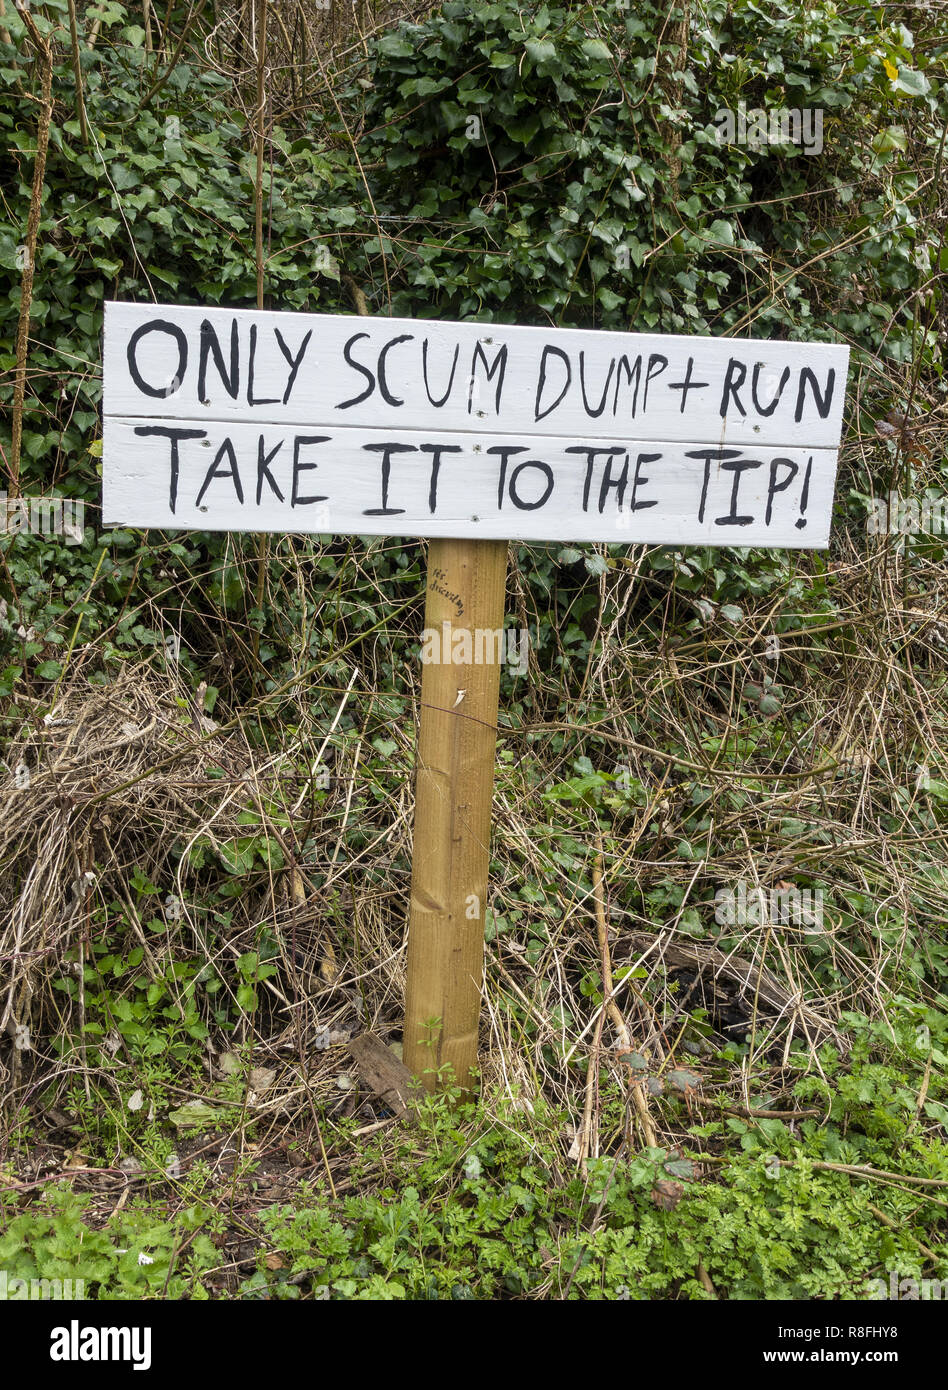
{"type": "Point", "coordinates": [892, 138]}
{"type": "Point", "coordinates": [914, 84]}
{"type": "Point", "coordinates": [684, 1081]}
{"type": "Point", "coordinates": [107, 226]}
{"type": "Point", "coordinates": [540, 50]}
{"type": "Point", "coordinates": [721, 232]}
{"type": "Point", "coordinates": [596, 50]}
{"type": "Point", "coordinates": [395, 46]}
{"type": "Point", "coordinates": [524, 129]}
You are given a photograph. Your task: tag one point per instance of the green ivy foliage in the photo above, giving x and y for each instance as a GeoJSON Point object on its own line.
{"type": "Point", "coordinates": [548, 163]}
{"type": "Point", "coordinates": [528, 169]}
{"type": "Point", "coordinates": [159, 205]}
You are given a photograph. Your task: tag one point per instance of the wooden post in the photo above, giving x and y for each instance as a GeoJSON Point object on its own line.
{"type": "Point", "coordinates": [453, 790]}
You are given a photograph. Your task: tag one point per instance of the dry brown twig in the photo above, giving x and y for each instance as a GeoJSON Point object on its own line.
{"type": "Point", "coordinates": [44, 59]}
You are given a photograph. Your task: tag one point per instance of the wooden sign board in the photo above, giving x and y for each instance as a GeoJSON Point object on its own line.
{"type": "Point", "coordinates": [472, 434]}
{"type": "Point", "coordinates": [243, 420]}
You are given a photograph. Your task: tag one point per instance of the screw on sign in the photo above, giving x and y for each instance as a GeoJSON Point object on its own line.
{"type": "Point", "coordinates": [473, 435]}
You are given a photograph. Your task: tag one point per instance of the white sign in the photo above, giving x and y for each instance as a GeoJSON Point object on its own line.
{"type": "Point", "coordinates": [239, 420]}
